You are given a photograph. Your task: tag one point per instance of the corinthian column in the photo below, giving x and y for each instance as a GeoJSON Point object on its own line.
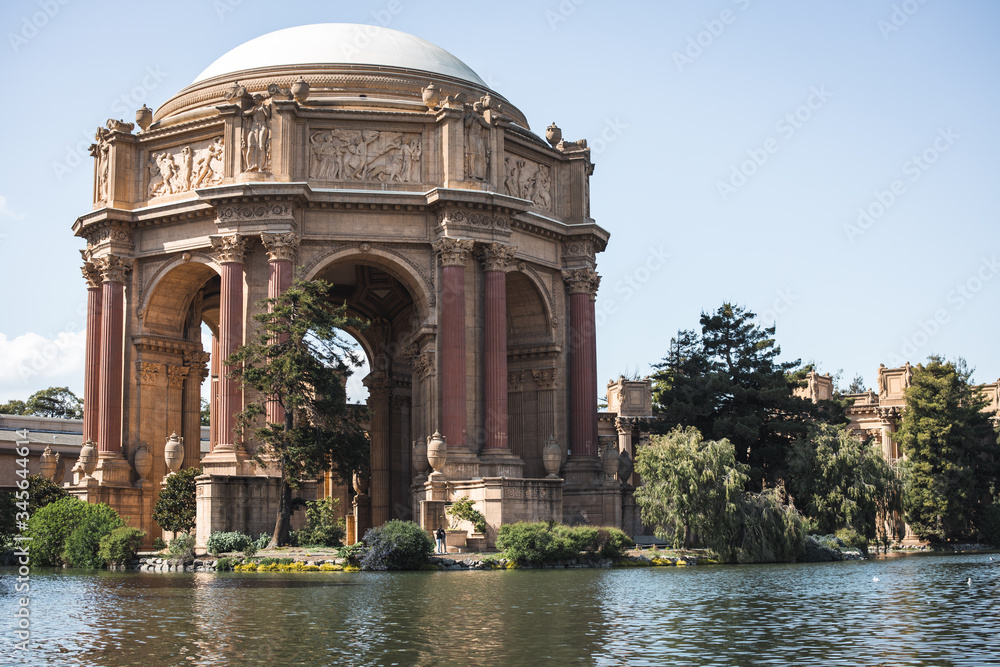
{"type": "Point", "coordinates": [496, 258]}
{"type": "Point", "coordinates": [280, 255]}
{"type": "Point", "coordinates": [379, 393]}
{"type": "Point", "coordinates": [91, 369]}
{"type": "Point", "coordinates": [112, 469]}
{"type": "Point", "coordinates": [453, 254]}
{"type": "Point", "coordinates": [229, 250]}
{"type": "Point", "coordinates": [582, 286]}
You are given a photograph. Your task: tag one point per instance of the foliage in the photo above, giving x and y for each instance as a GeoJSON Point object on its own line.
{"type": "Point", "coordinates": [323, 526]}
{"type": "Point", "coordinates": [206, 412]}
{"type": "Point", "coordinates": [526, 542]}
{"type": "Point", "coordinates": [249, 550]}
{"type": "Point", "coordinates": [464, 509]}
{"type": "Point", "coordinates": [989, 524]}
{"type": "Point", "coordinates": [396, 545]}
{"type": "Point", "coordinates": [82, 545]}
{"type": "Point", "coordinates": [14, 407]}
{"type": "Point", "coordinates": [159, 544]}
{"type": "Point", "coordinates": [951, 451]}
{"type": "Point", "coordinates": [182, 547]}
{"type": "Point", "coordinates": [49, 527]}
{"type": "Point", "coordinates": [297, 360]}
{"type": "Point", "coordinates": [220, 542]}
{"type": "Point", "coordinates": [226, 564]}
{"type": "Point", "coordinates": [176, 507]}
{"type": "Point", "coordinates": [352, 552]}
{"type": "Point", "coordinates": [727, 383]}
{"type": "Point", "coordinates": [691, 489]}
{"type": "Point", "coordinates": [840, 482]}
{"type": "Point", "coordinates": [120, 546]}
{"type": "Point", "coordinates": [52, 402]}
{"type": "Point", "coordinates": [42, 491]}
{"type": "Point", "coordinates": [857, 385]}
{"type": "Point", "coordinates": [599, 541]}
{"type": "Point", "coordinates": [769, 530]}
{"type": "Point", "coordinates": [8, 524]}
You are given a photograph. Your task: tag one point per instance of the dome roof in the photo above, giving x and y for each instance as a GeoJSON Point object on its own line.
{"type": "Point", "coordinates": [340, 43]}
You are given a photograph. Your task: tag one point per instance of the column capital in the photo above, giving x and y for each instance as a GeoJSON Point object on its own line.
{"type": "Point", "coordinates": [176, 375]}
{"type": "Point", "coordinates": [229, 248]}
{"type": "Point", "coordinates": [146, 371]}
{"type": "Point", "coordinates": [545, 378]}
{"type": "Point", "coordinates": [113, 268]}
{"type": "Point", "coordinates": [454, 252]}
{"type": "Point", "coordinates": [92, 275]}
{"type": "Point", "coordinates": [582, 281]}
{"type": "Point", "coordinates": [280, 247]}
{"type": "Point", "coordinates": [379, 386]}
{"type": "Point", "coordinates": [497, 256]}
{"type": "Point", "coordinates": [198, 363]}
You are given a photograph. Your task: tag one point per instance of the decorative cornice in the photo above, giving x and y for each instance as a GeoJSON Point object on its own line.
{"type": "Point", "coordinates": [453, 252]}
{"type": "Point", "coordinates": [113, 268]}
{"type": "Point", "coordinates": [146, 371]}
{"type": "Point", "coordinates": [280, 247]}
{"type": "Point", "coordinates": [582, 281]}
{"type": "Point", "coordinates": [229, 248]}
{"type": "Point", "coordinates": [497, 256]}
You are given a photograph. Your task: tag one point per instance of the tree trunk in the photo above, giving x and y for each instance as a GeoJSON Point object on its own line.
{"type": "Point", "coordinates": [282, 525]}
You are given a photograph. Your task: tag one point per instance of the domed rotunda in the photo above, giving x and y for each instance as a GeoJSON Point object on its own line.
{"type": "Point", "coordinates": [383, 164]}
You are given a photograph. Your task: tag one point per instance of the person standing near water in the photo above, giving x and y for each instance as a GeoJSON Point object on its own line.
{"type": "Point", "coordinates": [440, 540]}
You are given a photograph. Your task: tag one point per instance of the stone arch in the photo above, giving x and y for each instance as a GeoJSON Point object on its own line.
{"type": "Point", "coordinates": [529, 317]}
{"type": "Point", "coordinates": [170, 291]}
{"type": "Point", "coordinates": [420, 287]}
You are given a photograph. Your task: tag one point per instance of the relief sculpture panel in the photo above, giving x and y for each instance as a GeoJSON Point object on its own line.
{"type": "Point", "coordinates": [175, 170]}
{"type": "Point", "coordinates": [528, 180]}
{"type": "Point", "coordinates": [364, 155]}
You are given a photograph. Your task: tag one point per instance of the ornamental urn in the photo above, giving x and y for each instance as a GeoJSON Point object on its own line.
{"type": "Point", "coordinates": [300, 90]}
{"type": "Point", "coordinates": [144, 117]}
{"type": "Point", "coordinates": [552, 456]}
{"type": "Point", "coordinates": [431, 95]}
{"type": "Point", "coordinates": [419, 458]}
{"type": "Point", "coordinates": [610, 459]}
{"type": "Point", "coordinates": [60, 470]}
{"type": "Point", "coordinates": [173, 453]}
{"type": "Point", "coordinates": [553, 135]}
{"type": "Point", "coordinates": [437, 451]}
{"type": "Point", "coordinates": [625, 467]}
{"type": "Point", "coordinates": [360, 484]}
{"type": "Point", "coordinates": [88, 458]}
{"type": "Point", "coordinates": [143, 462]}
{"type": "Point", "coordinates": [47, 463]}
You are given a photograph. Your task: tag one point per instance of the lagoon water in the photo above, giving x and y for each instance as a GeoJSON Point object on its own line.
{"type": "Point", "coordinates": [921, 611]}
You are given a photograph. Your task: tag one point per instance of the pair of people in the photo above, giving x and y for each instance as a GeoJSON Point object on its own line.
{"type": "Point", "coordinates": [439, 535]}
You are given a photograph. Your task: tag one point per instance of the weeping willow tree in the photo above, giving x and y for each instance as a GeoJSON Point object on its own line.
{"type": "Point", "coordinates": [693, 494]}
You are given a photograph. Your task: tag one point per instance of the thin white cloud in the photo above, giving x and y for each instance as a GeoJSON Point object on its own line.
{"type": "Point", "coordinates": [31, 362]}
{"type": "Point", "coordinates": [6, 212]}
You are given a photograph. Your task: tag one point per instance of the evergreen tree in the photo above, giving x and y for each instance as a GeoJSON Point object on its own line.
{"type": "Point", "coordinates": [297, 359]}
{"type": "Point", "coordinates": [176, 507]}
{"type": "Point", "coordinates": [951, 451]}
{"type": "Point", "coordinates": [728, 383]}
{"type": "Point", "coordinates": [55, 402]}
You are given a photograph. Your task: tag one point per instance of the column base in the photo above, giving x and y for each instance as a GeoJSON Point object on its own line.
{"type": "Point", "coordinates": [223, 460]}
{"type": "Point", "coordinates": [113, 470]}
{"type": "Point", "coordinates": [461, 464]}
{"type": "Point", "coordinates": [500, 463]}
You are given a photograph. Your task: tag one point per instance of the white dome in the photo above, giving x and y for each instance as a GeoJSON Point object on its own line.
{"type": "Point", "coordinates": [340, 43]}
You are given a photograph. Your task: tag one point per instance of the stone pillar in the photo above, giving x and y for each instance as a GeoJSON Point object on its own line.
{"type": "Point", "coordinates": [112, 469]}
{"type": "Point", "coordinates": [379, 393]}
{"type": "Point", "coordinates": [496, 258]}
{"type": "Point", "coordinates": [582, 286]}
{"type": "Point", "coordinates": [213, 395]}
{"type": "Point", "coordinates": [197, 364]}
{"type": "Point", "coordinates": [280, 255]}
{"type": "Point", "coordinates": [453, 254]}
{"type": "Point", "coordinates": [230, 250]}
{"type": "Point", "coordinates": [91, 370]}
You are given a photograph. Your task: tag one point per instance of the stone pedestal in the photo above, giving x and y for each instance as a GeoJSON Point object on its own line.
{"type": "Point", "coordinates": [362, 515]}
{"type": "Point", "coordinates": [461, 464]}
{"type": "Point", "coordinates": [589, 496]}
{"type": "Point", "coordinates": [432, 515]}
{"type": "Point", "coordinates": [500, 463]}
{"type": "Point", "coordinates": [113, 470]}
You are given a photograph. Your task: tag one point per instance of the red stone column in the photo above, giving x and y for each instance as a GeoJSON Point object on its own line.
{"type": "Point", "coordinates": [496, 257]}
{"type": "Point", "coordinates": [213, 395]}
{"type": "Point", "coordinates": [91, 370]}
{"type": "Point", "coordinates": [379, 394]}
{"type": "Point", "coordinates": [582, 285]}
{"type": "Point", "coordinates": [453, 254]}
{"type": "Point", "coordinates": [280, 255]}
{"type": "Point", "coordinates": [109, 413]}
{"type": "Point", "coordinates": [230, 250]}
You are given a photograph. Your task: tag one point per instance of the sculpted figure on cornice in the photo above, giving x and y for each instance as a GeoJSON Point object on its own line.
{"type": "Point", "coordinates": [193, 166]}
{"type": "Point", "coordinates": [101, 151]}
{"type": "Point", "coordinates": [477, 138]}
{"type": "Point", "coordinates": [257, 136]}
{"type": "Point", "coordinates": [365, 155]}
{"type": "Point", "coordinates": [528, 180]}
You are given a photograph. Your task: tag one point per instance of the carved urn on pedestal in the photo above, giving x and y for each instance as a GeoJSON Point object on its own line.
{"type": "Point", "coordinates": [173, 453]}
{"type": "Point", "coordinates": [88, 458]}
{"type": "Point", "coordinates": [419, 458]}
{"type": "Point", "coordinates": [437, 452]}
{"type": "Point", "coordinates": [360, 485]}
{"type": "Point", "coordinates": [143, 462]}
{"type": "Point", "coordinates": [610, 459]}
{"type": "Point", "coordinates": [47, 463]}
{"type": "Point", "coordinates": [300, 90]}
{"type": "Point", "coordinates": [552, 456]}
{"type": "Point", "coordinates": [553, 135]}
{"type": "Point", "coordinates": [144, 117]}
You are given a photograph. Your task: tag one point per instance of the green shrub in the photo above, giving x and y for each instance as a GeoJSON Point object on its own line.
{"type": "Point", "coordinates": [82, 545]}
{"type": "Point", "coordinates": [534, 543]}
{"type": "Point", "coordinates": [226, 564]}
{"type": "Point", "coordinates": [159, 544]}
{"type": "Point", "coordinates": [220, 542]}
{"type": "Point", "coordinates": [49, 527]}
{"type": "Point", "coordinates": [323, 526]}
{"type": "Point", "coordinates": [262, 541]}
{"type": "Point", "coordinates": [120, 546]}
{"type": "Point", "coordinates": [352, 553]}
{"type": "Point", "coordinates": [396, 545]}
{"type": "Point", "coordinates": [182, 547]}
{"type": "Point", "coordinates": [42, 491]}
{"type": "Point", "coordinates": [988, 524]}
{"type": "Point", "coordinates": [249, 550]}
{"type": "Point", "coordinates": [853, 539]}
{"type": "Point", "coordinates": [464, 509]}
{"type": "Point", "coordinates": [176, 505]}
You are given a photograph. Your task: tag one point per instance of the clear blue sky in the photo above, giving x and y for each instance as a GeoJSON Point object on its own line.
{"type": "Point", "coordinates": [735, 142]}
